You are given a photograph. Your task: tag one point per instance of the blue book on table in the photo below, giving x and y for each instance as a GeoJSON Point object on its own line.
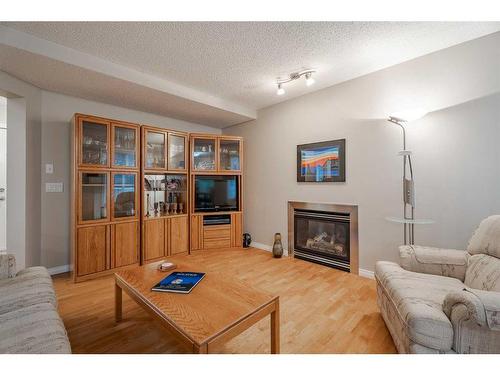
{"type": "Point", "coordinates": [179, 282]}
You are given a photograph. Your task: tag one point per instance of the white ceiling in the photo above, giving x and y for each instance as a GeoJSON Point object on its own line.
{"type": "Point", "coordinates": [234, 65]}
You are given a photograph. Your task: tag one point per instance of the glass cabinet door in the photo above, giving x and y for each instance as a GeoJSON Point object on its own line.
{"type": "Point", "coordinates": [124, 147]}
{"type": "Point", "coordinates": [176, 152]}
{"type": "Point", "coordinates": [155, 150]}
{"type": "Point", "coordinates": [124, 195]}
{"type": "Point", "coordinates": [229, 155]}
{"type": "Point", "coordinates": [93, 196]}
{"type": "Point", "coordinates": [204, 154]}
{"type": "Point", "coordinates": [94, 138]}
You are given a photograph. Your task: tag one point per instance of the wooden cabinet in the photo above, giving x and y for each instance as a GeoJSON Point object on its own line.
{"type": "Point", "coordinates": [216, 154]}
{"type": "Point", "coordinates": [164, 193]}
{"type": "Point", "coordinates": [178, 235]}
{"type": "Point", "coordinates": [105, 204]}
{"type": "Point", "coordinates": [222, 236]}
{"type": "Point", "coordinates": [125, 143]}
{"type": "Point", "coordinates": [93, 249]}
{"type": "Point", "coordinates": [196, 232]}
{"type": "Point", "coordinates": [163, 237]}
{"type": "Point", "coordinates": [164, 150]}
{"type": "Point", "coordinates": [125, 244]}
{"type": "Point", "coordinates": [229, 153]}
{"type": "Point", "coordinates": [153, 239]}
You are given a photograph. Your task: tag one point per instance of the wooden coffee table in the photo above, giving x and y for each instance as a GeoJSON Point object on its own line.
{"type": "Point", "coordinates": [217, 309]}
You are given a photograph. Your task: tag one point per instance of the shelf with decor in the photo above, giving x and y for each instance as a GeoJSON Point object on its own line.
{"type": "Point", "coordinates": [164, 193]}
{"type": "Point", "coordinates": [105, 217]}
{"type": "Point", "coordinates": [216, 154]}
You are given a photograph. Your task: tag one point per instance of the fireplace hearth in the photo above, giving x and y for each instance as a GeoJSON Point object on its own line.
{"type": "Point", "coordinates": [324, 233]}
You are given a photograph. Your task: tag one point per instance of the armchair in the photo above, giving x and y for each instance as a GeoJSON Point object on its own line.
{"type": "Point", "coordinates": [444, 300]}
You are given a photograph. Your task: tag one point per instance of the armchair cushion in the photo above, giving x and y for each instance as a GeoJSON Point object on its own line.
{"type": "Point", "coordinates": [434, 261]}
{"type": "Point", "coordinates": [418, 299]}
{"type": "Point", "coordinates": [486, 238]}
{"type": "Point", "coordinates": [475, 316]}
{"type": "Point", "coordinates": [483, 272]}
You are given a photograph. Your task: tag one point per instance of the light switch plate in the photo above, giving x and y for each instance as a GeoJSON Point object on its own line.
{"type": "Point", "coordinates": [49, 168]}
{"type": "Point", "coordinates": [54, 187]}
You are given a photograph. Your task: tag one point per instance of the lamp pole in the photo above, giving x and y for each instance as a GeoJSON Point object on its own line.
{"type": "Point", "coordinates": [408, 188]}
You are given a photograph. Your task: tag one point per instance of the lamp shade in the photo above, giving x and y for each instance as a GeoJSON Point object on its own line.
{"type": "Point", "coordinates": [409, 115]}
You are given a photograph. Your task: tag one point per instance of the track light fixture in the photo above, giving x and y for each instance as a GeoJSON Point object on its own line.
{"type": "Point", "coordinates": [294, 76]}
{"type": "Point", "coordinates": [280, 90]}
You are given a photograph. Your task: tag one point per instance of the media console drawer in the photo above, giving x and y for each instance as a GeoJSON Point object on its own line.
{"type": "Point", "coordinates": [217, 232]}
{"type": "Point", "coordinates": [217, 243]}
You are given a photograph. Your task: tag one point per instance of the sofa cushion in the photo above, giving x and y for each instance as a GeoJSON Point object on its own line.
{"type": "Point", "coordinates": [483, 272]}
{"type": "Point", "coordinates": [486, 238]}
{"type": "Point", "coordinates": [30, 287]}
{"type": "Point", "coordinates": [7, 266]}
{"type": "Point", "coordinates": [33, 329]}
{"type": "Point", "coordinates": [418, 299]}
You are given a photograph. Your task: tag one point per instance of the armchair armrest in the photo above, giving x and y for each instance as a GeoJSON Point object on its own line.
{"type": "Point", "coordinates": [7, 266]}
{"type": "Point", "coordinates": [482, 306]}
{"type": "Point", "coordinates": [434, 261]}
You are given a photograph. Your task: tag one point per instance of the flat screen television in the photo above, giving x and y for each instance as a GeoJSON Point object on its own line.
{"type": "Point", "coordinates": [215, 193]}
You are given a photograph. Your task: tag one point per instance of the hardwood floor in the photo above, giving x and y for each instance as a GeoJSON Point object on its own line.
{"type": "Point", "coordinates": [322, 310]}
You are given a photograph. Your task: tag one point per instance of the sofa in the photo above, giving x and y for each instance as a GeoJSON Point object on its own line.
{"type": "Point", "coordinates": [29, 322]}
{"type": "Point", "coordinates": [444, 300]}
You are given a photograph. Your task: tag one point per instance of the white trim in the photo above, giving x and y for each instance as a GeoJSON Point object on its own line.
{"type": "Point", "coordinates": [261, 246]}
{"type": "Point", "coordinates": [366, 273]}
{"type": "Point", "coordinates": [362, 272]}
{"type": "Point", "coordinates": [59, 269]}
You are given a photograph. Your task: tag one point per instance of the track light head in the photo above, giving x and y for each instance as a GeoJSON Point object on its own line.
{"type": "Point", "coordinates": [309, 79]}
{"type": "Point", "coordinates": [280, 90]}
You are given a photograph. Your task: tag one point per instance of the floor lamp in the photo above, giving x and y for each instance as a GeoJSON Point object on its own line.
{"type": "Point", "coordinates": [408, 219]}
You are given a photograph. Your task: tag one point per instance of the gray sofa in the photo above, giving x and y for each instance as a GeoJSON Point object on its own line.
{"type": "Point", "coordinates": [444, 300]}
{"type": "Point", "coordinates": [29, 322]}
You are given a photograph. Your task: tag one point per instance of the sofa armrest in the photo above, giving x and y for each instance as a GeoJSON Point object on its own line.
{"type": "Point", "coordinates": [7, 266]}
{"type": "Point", "coordinates": [482, 306]}
{"type": "Point", "coordinates": [434, 261]}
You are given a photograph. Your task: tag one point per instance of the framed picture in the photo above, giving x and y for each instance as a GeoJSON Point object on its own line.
{"type": "Point", "coordinates": [321, 162]}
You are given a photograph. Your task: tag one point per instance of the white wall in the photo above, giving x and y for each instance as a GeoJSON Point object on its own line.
{"type": "Point", "coordinates": [455, 153]}
{"type": "Point", "coordinates": [57, 111]}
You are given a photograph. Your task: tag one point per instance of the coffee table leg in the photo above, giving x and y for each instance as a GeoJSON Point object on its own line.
{"type": "Point", "coordinates": [118, 303]}
{"type": "Point", "coordinates": [275, 328]}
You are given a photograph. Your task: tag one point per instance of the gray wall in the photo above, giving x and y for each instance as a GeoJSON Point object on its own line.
{"type": "Point", "coordinates": [39, 131]}
{"type": "Point", "coordinates": [57, 111]}
{"type": "Point", "coordinates": [455, 153]}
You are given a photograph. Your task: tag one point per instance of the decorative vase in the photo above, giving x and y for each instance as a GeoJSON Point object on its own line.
{"type": "Point", "coordinates": [277, 246]}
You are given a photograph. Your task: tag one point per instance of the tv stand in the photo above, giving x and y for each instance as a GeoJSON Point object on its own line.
{"type": "Point", "coordinates": [209, 220]}
{"type": "Point", "coordinates": [216, 155]}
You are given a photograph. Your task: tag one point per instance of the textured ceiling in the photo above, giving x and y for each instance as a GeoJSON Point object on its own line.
{"type": "Point", "coordinates": [239, 62]}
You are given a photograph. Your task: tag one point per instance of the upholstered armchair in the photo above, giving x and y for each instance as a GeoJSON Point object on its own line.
{"type": "Point", "coordinates": [444, 300]}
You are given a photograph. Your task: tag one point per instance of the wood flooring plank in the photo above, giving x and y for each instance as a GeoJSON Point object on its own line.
{"type": "Point", "coordinates": [322, 310]}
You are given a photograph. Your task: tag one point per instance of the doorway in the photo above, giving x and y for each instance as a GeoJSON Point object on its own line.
{"type": "Point", "coordinates": [3, 174]}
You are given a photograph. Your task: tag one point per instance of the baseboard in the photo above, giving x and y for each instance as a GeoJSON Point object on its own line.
{"type": "Point", "coordinates": [362, 272]}
{"type": "Point", "coordinates": [367, 274]}
{"type": "Point", "coordinates": [261, 246]}
{"type": "Point", "coordinates": [59, 269]}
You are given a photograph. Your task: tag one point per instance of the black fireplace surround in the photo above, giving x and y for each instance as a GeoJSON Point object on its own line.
{"type": "Point", "coordinates": [322, 237]}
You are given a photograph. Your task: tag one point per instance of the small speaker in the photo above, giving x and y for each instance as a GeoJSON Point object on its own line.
{"type": "Point", "coordinates": [247, 239]}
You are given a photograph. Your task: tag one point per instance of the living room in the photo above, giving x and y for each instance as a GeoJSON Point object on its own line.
{"type": "Point", "coordinates": [250, 187]}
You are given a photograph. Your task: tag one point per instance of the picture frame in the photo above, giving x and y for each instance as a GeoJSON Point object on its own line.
{"type": "Point", "coordinates": [321, 161]}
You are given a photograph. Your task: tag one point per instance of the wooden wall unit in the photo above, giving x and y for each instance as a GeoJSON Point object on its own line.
{"type": "Point", "coordinates": [216, 155]}
{"type": "Point", "coordinates": [105, 199]}
{"type": "Point", "coordinates": [132, 194]}
{"type": "Point", "coordinates": [164, 193]}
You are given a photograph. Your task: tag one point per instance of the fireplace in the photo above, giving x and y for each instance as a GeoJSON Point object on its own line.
{"type": "Point", "coordinates": [324, 233]}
